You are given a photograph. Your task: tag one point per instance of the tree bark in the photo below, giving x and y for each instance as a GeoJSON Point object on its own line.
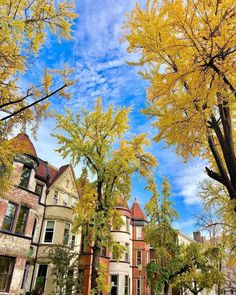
{"type": "Point", "coordinates": [166, 289]}
{"type": "Point", "coordinates": [96, 249]}
{"type": "Point", "coordinates": [95, 265]}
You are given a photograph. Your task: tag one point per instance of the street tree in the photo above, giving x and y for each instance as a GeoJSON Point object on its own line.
{"type": "Point", "coordinates": [97, 139]}
{"type": "Point", "coordinates": [64, 264]}
{"type": "Point", "coordinates": [202, 271]}
{"type": "Point", "coordinates": [187, 50]}
{"type": "Point", "coordinates": [219, 221]}
{"type": "Point", "coordinates": [160, 233]}
{"type": "Point", "coordinates": [25, 26]}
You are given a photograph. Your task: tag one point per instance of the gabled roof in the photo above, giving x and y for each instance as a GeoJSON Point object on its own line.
{"type": "Point", "coordinates": [55, 173]}
{"type": "Point", "coordinates": [27, 143]}
{"type": "Point", "coordinates": [137, 212]}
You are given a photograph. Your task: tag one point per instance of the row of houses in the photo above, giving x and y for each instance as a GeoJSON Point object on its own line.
{"type": "Point", "coordinates": [37, 213]}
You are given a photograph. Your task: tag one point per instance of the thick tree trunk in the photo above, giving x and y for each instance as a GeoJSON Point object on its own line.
{"type": "Point", "coordinates": [96, 249]}
{"type": "Point", "coordinates": [226, 162]}
{"type": "Point", "coordinates": [95, 265]}
{"type": "Point", "coordinates": [166, 289]}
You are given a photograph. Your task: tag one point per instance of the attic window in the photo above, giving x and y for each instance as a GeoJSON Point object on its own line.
{"type": "Point", "coordinates": [67, 183]}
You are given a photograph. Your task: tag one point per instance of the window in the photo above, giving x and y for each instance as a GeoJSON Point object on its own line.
{"type": "Point", "coordinates": [22, 219]}
{"type": "Point", "coordinates": [103, 251]}
{"type": "Point", "coordinates": [55, 197]}
{"type": "Point", "coordinates": [6, 270]}
{"type": "Point", "coordinates": [126, 285]}
{"type": "Point", "coordinates": [114, 284]}
{"type": "Point", "coordinates": [66, 234]}
{"type": "Point", "coordinates": [65, 200]}
{"type": "Point", "coordinates": [138, 232]}
{"type": "Point", "coordinates": [39, 189]}
{"type": "Point", "coordinates": [126, 252]}
{"type": "Point", "coordinates": [139, 257]}
{"type": "Point", "coordinates": [72, 242]}
{"type": "Point", "coordinates": [42, 273]}
{"type": "Point", "coordinates": [48, 237]}
{"type": "Point", "coordinates": [139, 286]}
{"type": "Point", "coordinates": [26, 270]}
{"type": "Point", "coordinates": [127, 223]}
{"type": "Point", "coordinates": [25, 176]}
{"type": "Point", "coordinates": [8, 220]}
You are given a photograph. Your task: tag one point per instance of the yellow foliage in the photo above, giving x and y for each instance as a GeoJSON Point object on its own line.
{"type": "Point", "coordinates": [187, 50]}
{"type": "Point", "coordinates": [178, 40]}
{"type": "Point", "coordinates": [24, 26]}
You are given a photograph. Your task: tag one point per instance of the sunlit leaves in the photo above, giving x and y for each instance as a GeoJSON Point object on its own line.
{"type": "Point", "coordinates": [179, 44]}
{"type": "Point", "coordinates": [96, 139]}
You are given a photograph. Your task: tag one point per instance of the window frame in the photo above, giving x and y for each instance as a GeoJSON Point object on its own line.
{"type": "Point", "coordinates": [55, 197]}
{"type": "Point", "coordinates": [25, 221]}
{"type": "Point", "coordinates": [137, 258]}
{"type": "Point", "coordinates": [68, 234]}
{"type": "Point", "coordinates": [28, 179]}
{"type": "Point", "coordinates": [9, 273]}
{"type": "Point", "coordinates": [139, 286]}
{"type": "Point", "coordinates": [117, 285]}
{"type": "Point", "coordinates": [126, 286]}
{"type": "Point", "coordinates": [127, 224]}
{"type": "Point", "coordinates": [127, 252]}
{"type": "Point", "coordinates": [13, 219]}
{"type": "Point", "coordinates": [42, 186]}
{"type": "Point", "coordinates": [45, 229]}
{"type": "Point", "coordinates": [139, 237]}
{"type": "Point", "coordinates": [45, 278]}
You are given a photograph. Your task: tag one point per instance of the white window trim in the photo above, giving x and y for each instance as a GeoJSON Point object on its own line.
{"type": "Point", "coordinates": [36, 274]}
{"type": "Point", "coordinates": [140, 285]}
{"type": "Point", "coordinates": [69, 235]}
{"type": "Point", "coordinates": [137, 257]}
{"type": "Point", "coordinates": [44, 231]}
{"type": "Point", "coordinates": [140, 227]}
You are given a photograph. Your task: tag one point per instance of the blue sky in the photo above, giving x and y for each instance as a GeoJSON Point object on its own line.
{"type": "Point", "coordinates": [99, 59]}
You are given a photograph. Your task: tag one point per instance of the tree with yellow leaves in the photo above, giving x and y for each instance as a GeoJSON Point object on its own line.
{"type": "Point", "coordinates": [24, 27]}
{"type": "Point", "coordinates": [188, 51]}
{"type": "Point", "coordinates": [96, 138]}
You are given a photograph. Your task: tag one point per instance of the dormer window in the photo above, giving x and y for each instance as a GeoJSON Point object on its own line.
{"type": "Point", "coordinates": [25, 177]}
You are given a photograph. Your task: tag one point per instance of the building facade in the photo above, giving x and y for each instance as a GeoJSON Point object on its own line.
{"type": "Point", "coordinates": [35, 214]}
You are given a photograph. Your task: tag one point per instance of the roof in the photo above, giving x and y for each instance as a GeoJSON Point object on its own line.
{"type": "Point", "coordinates": [137, 212]}
{"type": "Point", "coordinates": [55, 173]}
{"type": "Point", "coordinates": [27, 144]}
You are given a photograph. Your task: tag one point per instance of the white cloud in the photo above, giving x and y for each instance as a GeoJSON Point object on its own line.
{"type": "Point", "coordinates": [185, 177]}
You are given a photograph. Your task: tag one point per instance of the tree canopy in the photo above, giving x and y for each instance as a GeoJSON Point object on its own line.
{"type": "Point", "coordinates": [187, 51]}
{"type": "Point", "coordinates": [24, 28]}
{"type": "Point", "coordinates": [96, 138]}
